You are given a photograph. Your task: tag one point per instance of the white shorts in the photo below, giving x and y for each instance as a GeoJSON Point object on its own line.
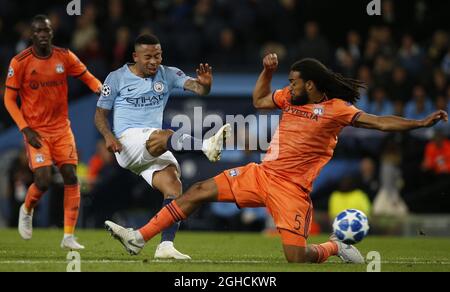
{"type": "Point", "coordinates": [135, 157]}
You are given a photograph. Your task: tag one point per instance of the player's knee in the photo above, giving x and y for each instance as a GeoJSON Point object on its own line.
{"type": "Point", "coordinates": [43, 182]}
{"type": "Point", "coordinates": [69, 175]}
{"type": "Point", "coordinates": [173, 189]}
{"type": "Point", "coordinates": [157, 143]}
{"type": "Point", "coordinates": [201, 193]}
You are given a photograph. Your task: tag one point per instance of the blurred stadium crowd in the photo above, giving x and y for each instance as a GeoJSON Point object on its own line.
{"type": "Point", "coordinates": [403, 56]}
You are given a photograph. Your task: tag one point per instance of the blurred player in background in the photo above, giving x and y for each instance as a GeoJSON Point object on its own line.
{"type": "Point", "coordinates": [316, 106]}
{"type": "Point", "coordinates": [138, 94]}
{"type": "Point", "coordinates": [39, 76]}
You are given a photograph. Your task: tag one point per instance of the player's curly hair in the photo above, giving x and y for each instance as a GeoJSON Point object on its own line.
{"type": "Point", "coordinates": [39, 18]}
{"type": "Point", "coordinates": [334, 85]}
{"type": "Point", "coordinates": [146, 39]}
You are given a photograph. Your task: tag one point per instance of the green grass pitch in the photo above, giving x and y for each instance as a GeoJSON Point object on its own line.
{"type": "Point", "coordinates": [212, 252]}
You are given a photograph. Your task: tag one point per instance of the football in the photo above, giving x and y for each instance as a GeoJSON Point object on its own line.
{"type": "Point", "coordinates": [351, 226]}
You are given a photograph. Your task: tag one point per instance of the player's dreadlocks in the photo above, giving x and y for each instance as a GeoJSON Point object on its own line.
{"type": "Point", "coordinates": [334, 85]}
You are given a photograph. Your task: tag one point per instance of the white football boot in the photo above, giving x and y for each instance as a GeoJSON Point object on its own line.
{"type": "Point", "coordinates": [348, 253]}
{"type": "Point", "coordinates": [166, 250]}
{"type": "Point", "coordinates": [130, 239]}
{"type": "Point", "coordinates": [25, 225]}
{"type": "Point", "coordinates": [70, 242]}
{"type": "Point", "coordinates": [213, 146]}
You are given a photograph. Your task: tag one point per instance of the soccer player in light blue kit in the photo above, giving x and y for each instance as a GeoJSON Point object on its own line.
{"type": "Point", "coordinates": [137, 94]}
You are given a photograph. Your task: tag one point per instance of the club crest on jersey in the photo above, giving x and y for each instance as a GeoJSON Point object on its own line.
{"type": "Point", "coordinates": [39, 158]}
{"type": "Point", "coordinates": [158, 87]}
{"type": "Point", "coordinates": [234, 172]}
{"type": "Point", "coordinates": [59, 68]}
{"type": "Point", "coordinates": [10, 72]}
{"type": "Point", "coordinates": [319, 110]}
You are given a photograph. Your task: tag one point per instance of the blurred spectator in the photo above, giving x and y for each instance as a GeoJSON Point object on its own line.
{"type": "Point", "coordinates": [368, 177]}
{"type": "Point", "coordinates": [380, 105]}
{"type": "Point", "coordinates": [346, 64]}
{"type": "Point", "coordinates": [226, 50]}
{"type": "Point", "coordinates": [123, 47]}
{"type": "Point", "coordinates": [371, 51]}
{"type": "Point", "coordinates": [420, 106]}
{"type": "Point", "coordinates": [437, 49]}
{"type": "Point", "coordinates": [382, 70]}
{"type": "Point", "coordinates": [102, 158]}
{"type": "Point", "coordinates": [383, 36]}
{"type": "Point", "coordinates": [62, 29]}
{"type": "Point", "coordinates": [348, 57]}
{"type": "Point", "coordinates": [437, 155]}
{"type": "Point", "coordinates": [85, 31]}
{"type": "Point", "coordinates": [446, 64]}
{"type": "Point", "coordinates": [313, 45]}
{"type": "Point", "coordinates": [401, 86]}
{"type": "Point", "coordinates": [388, 200]}
{"type": "Point", "coordinates": [348, 197]}
{"type": "Point", "coordinates": [410, 55]}
{"type": "Point", "coordinates": [432, 195]}
{"type": "Point", "coordinates": [388, 13]}
{"type": "Point", "coordinates": [24, 32]}
{"type": "Point", "coordinates": [365, 75]}
{"type": "Point", "coordinates": [354, 45]}
{"type": "Point", "coordinates": [439, 83]}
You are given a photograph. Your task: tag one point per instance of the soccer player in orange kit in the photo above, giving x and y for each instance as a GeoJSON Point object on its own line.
{"type": "Point", "coordinates": [316, 106]}
{"type": "Point", "coordinates": [39, 76]}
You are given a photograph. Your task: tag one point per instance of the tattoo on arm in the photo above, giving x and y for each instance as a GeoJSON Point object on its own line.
{"type": "Point", "coordinates": [101, 121]}
{"type": "Point", "coordinates": [194, 86]}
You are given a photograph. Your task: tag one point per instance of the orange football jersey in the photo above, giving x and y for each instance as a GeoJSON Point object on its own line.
{"type": "Point", "coordinates": [42, 87]}
{"type": "Point", "coordinates": [306, 138]}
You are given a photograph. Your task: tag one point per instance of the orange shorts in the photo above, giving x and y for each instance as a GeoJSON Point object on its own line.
{"type": "Point", "coordinates": [289, 205]}
{"type": "Point", "coordinates": [58, 150]}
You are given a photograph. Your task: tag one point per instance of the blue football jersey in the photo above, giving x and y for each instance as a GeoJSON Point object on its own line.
{"type": "Point", "coordinates": [139, 102]}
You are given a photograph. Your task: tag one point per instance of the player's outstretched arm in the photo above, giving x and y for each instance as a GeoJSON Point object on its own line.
{"type": "Point", "coordinates": [202, 84]}
{"type": "Point", "coordinates": [93, 83]}
{"type": "Point", "coordinates": [394, 123]}
{"type": "Point", "coordinates": [102, 124]}
{"type": "Point", "coordinates": [262, 93]}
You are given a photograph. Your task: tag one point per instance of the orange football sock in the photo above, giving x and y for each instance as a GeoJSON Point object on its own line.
{"type": "Point", "coordinates": [33, 196]}
{"type": "Point", "coordinates": [325, 250]}
{"type": "Point", "coordinates": [71, 208]}
{"type": "Point", "coordinates": [168, 215]}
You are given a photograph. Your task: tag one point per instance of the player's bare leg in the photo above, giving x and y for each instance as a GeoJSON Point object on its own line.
{"type": "Point", "coordinates": [42, 181]}
{"type": "Point", "coordinates": [198, 194]}
{"type": "Point", "coordinates": [167, 181]}
{"type": "Point", "coordinates": [309, 254]}
{"type": "Point", "coordinates": [321, 252]}
{"type": "Point", "coordinates": [178, 210]}
{"type": "Point", "coordinates": [157, 143]}
{"type": "Point", "coordinates": [71, 206]}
